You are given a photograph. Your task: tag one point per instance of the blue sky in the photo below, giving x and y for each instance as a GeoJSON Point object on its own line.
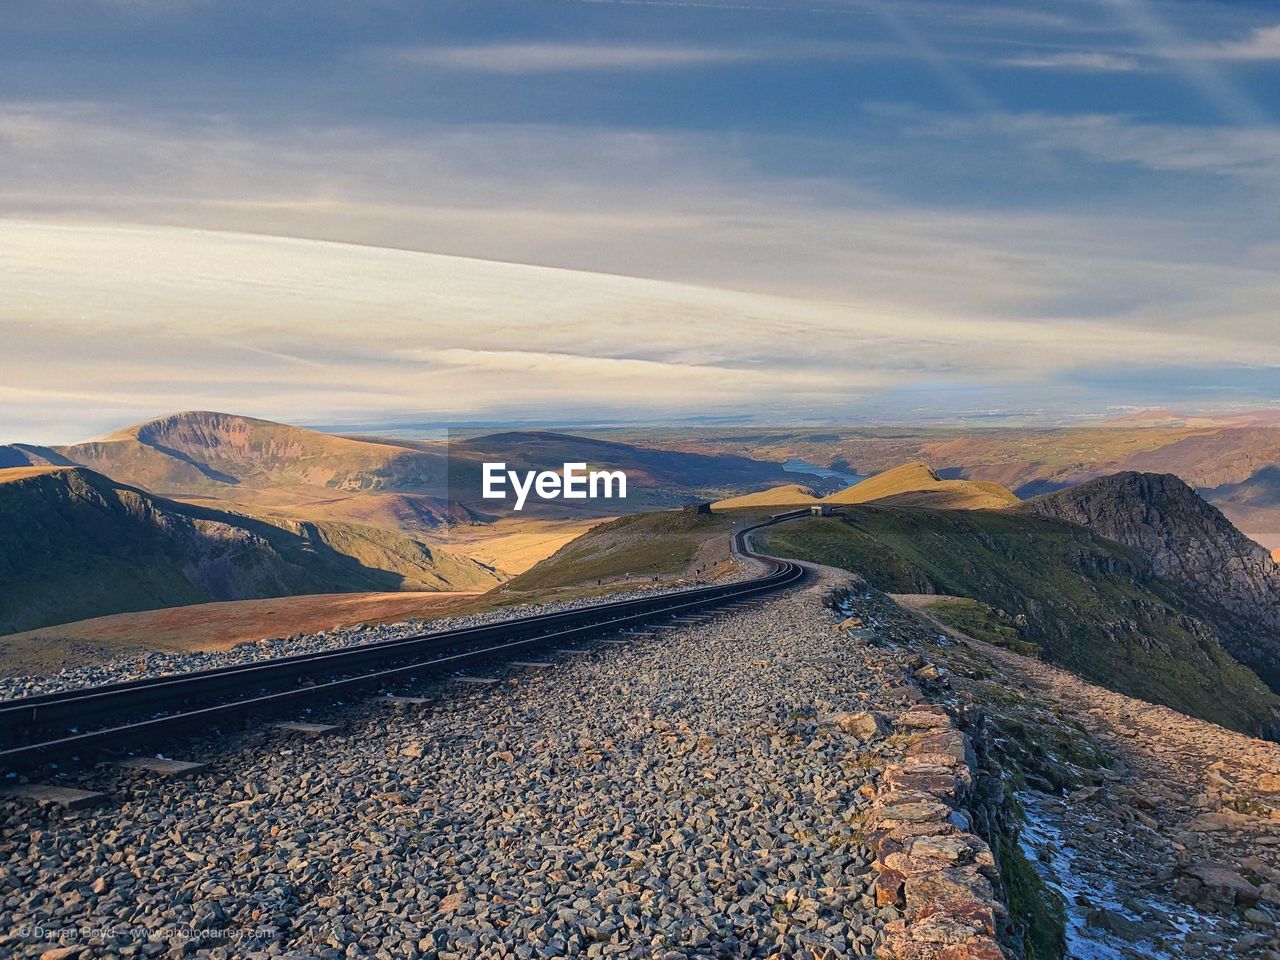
{"type": "Point", "coordinates": [1111, 163]}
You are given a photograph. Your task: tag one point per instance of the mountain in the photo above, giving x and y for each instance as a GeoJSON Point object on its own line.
{"type": "Point", "coordinates": [655, 477]}
{"type": "Point", "coordinates": [917, 485]}
{"type": "Point", "coordinates": [205, 452]}
{"type": "Point", "coordinates": [788, 494]}
{"type": "Point", "coordinates": [76, 544]}
{"type": "Point", "coordinates": [1190, 543]}
{"type": "Point", "coordinates": [29, 455]}
{"type": "Point", "coordinates": [419, 484]}
{"type": "Point", "coordinates": [910, 485]}
{"type": "Point", "coordinates": [1086, 602]}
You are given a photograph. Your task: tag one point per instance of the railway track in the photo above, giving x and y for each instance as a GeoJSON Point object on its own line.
{"type": "Point", "coordinates": [51, 727]}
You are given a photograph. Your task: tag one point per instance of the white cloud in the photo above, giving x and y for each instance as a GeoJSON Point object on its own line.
{"type": "Point", "coordinates": [877, 293]}
{"type": "Point", "coordinates": [1262, 44]}
{"type": "Point", "coordinates": [1087, 61]}
{"type": "Point", "coordinates": [515, 58]}
{"type": "Point", "coordinates": [142, 320]}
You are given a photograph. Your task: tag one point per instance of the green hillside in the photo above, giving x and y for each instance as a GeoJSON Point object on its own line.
{"type": "Point", "coordinates": [74, 544]}
{"type": "Point", "coordinates": [643, 545]}
{"type": "Point", "coordinates": [1090, 604]}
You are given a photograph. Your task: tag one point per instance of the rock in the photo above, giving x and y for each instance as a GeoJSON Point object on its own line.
{"type": "Point", "coordinates": [1117, 923]}
{"type": "Point", "coordinates": [864, 724]}
{"type": "Point", "coordinates": [1224, 881]}
{"type": "Point", "coordinates": [925, 717]}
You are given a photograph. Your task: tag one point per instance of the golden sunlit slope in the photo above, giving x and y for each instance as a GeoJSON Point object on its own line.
{"type": "Point", "coordinates": [909, 476]}
{"type": "Point", "coordinates": [916, 485]}
{"type": "Point", "coordinates": [790, 493]}
{"type": "Point", "coordinates": [11, 474]}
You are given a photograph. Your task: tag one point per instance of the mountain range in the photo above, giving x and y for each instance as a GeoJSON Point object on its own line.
{"type": "Point", "coordinates": [436, 482]}
{"type": "Point", "coordinates": [203, 506]}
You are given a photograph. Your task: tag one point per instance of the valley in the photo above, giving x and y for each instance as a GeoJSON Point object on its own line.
{"type": "Point", "coordinates": [1230, 458]}
{"type": "Point", "coordinates": [203, 507]}
{"type": "Point", "coordinates": [1048, 652]}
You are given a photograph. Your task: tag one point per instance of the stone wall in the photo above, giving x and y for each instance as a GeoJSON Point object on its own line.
{"type": "Point", "coordinates": [931, 862]}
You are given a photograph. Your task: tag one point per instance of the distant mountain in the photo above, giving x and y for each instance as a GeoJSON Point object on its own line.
{"type": "Point", "coordinates": [1190, 543]}
{"type": "Point", "coordinates": [267, 464]}
{"type": "Point", "coordinates": [75, 544]}
{"type": "Point", "coordinates": [1213, 453]}
{"type": "Point", "coordinates": [917, 485]}
{"type": "Point", "coordinates": [910, 485]}
{"type": "Point", "coordinates": [1212, 458]}
{"type": "Point", "coordinates": [655, 477]}
{"type": "Point", "coordinates": [200, 452]}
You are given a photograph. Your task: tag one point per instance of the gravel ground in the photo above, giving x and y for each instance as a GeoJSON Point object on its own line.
{"type": "Point", "coordinates": [163, 663]}
{"type": "Point", "coordinates": [684, 795]}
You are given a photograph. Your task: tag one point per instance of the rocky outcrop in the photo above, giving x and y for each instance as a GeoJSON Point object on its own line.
{"type": "Point", "coordinates": [931, 863]}
{"type": "Point", "coordinates": [1191, 544]}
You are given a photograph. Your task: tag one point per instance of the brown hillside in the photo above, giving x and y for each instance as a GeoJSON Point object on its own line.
{"type": "Point", "coordinates": [785, 495]}
{"type": "Point", "coordinates": [917, 485]}
{"type": "Point", "coordinates": [11, 474]}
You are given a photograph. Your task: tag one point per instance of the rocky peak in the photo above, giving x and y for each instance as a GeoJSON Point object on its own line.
{"type": "Point", "coordinates": [1190, 543]}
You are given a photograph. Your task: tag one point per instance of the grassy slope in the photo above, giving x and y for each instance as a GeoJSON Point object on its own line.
{"type": "Point", "coordinates": [785, 495]}
{"type": "Point", "coordinates": [977, 620]}
{"type": "Point", "coordinates": [646, 545]}
{"type": "Point", "coordinates": [1091, 604]}
{"type": "Point", "coordinates": [916, 485]}
{"type": "Point", "coordinates": [77, 545]}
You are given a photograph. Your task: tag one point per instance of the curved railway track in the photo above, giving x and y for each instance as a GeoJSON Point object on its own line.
{"type": "Point", "coordinates": [48, 727]}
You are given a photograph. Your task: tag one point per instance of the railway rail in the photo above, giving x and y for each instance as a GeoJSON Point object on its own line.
{"type": "Point", "coordinates": [49, 727]}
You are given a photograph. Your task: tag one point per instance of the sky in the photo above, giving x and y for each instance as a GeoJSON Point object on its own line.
{"type": "Point", "coordinates": [808, 211]}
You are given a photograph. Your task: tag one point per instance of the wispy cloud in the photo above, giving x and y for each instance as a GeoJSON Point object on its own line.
{"type": "Point", "coordinates": [161, 318]}
{"type": "Point", "coordinates": [1089, 61]}
{"type": "Point", "coordinates": [1262, 44]}
{"type": "Point", "coordinates": [517, 58]}
{"type": "Point", "coordinates": [1150, 23]}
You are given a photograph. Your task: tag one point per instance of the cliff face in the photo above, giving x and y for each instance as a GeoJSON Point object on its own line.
{"type": "Point", "coordinates": [1190, 543]}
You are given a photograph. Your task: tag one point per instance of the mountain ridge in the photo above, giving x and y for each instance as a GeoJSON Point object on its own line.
{"type": "Point", "coordinates": [78, 544]}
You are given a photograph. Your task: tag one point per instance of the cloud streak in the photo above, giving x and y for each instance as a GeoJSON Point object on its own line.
{"type": "Point", "coordinates": [1262, 44]}
{"type": "Point", "coordinates": [525, 58]}
{"type": "Point", "coordinates": [162, 318]}
{"type": "Point", "coordinates": [1087, 61]}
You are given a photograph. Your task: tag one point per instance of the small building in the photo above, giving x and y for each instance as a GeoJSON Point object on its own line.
{"type": "Point", "coordinates": [696, 508]}
{"type": "Point", "coordinates": [820, 509]}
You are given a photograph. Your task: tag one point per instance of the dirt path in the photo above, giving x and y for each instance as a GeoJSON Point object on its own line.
{"type": "Point", "coordinates": [1193, 814]}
